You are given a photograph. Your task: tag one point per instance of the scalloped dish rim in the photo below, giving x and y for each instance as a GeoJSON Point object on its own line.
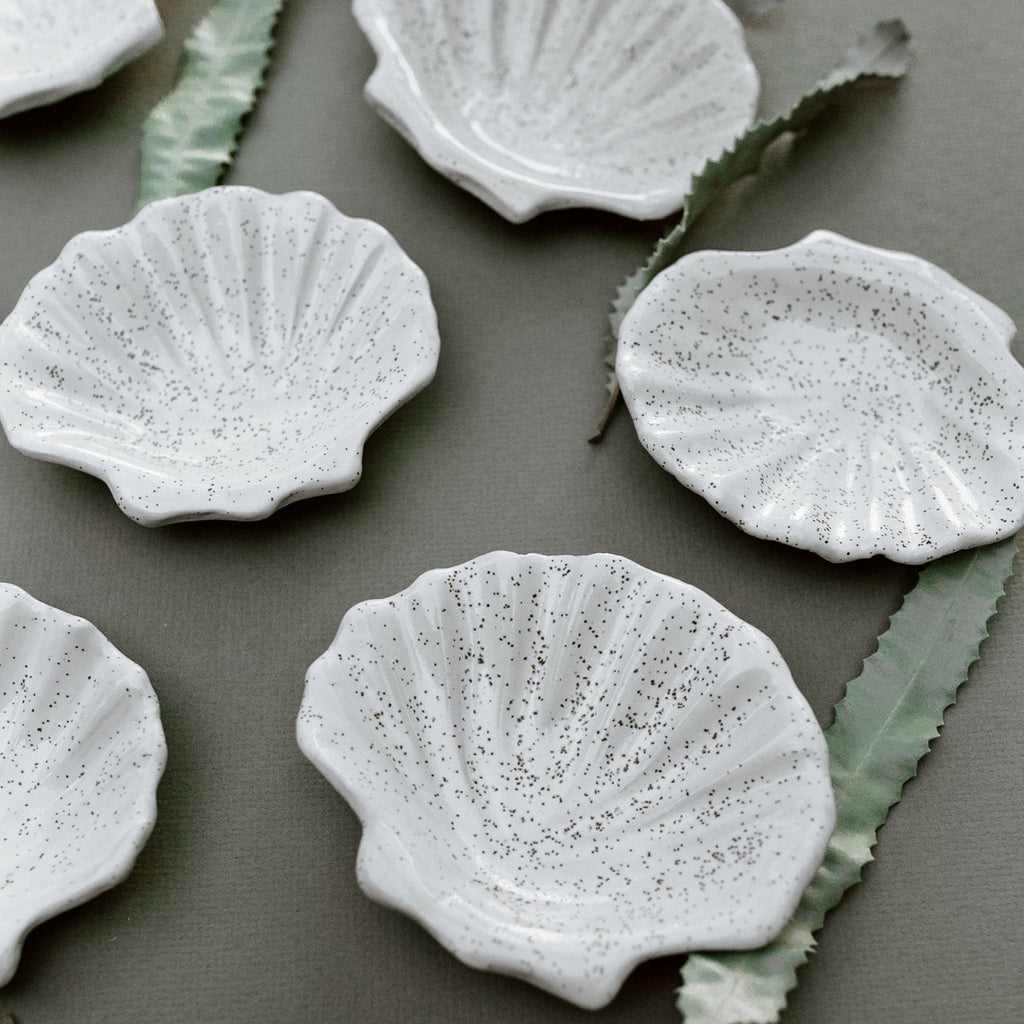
{"type": "Point", "coordinates": [107, 873]}
{"type": "Point", "coordinates": [412, 897]}
{"type": "Point", "coordinates": [937, 278]}
{"type": "Point", "coordinates": [242, 501]}
{"type": "Point", "coordinates": [512, 192]}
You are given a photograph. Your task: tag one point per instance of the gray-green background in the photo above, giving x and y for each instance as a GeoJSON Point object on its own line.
{"type": "Point", "coordinates": [243, 906]}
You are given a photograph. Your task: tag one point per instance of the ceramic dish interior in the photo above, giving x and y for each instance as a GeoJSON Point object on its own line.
{"type": "Point", "coordinates": [564, 766]}
{"type": "Point", "coordinates": [50, 49]}
{"type": "Point", "coordinates": [81, 753]}
{"type": "Point", "coordinates": [832, 396]}
{"type": "Point", "coordinates": [221, 355]}
{"type": "Point", "coordinates": [547, 104]}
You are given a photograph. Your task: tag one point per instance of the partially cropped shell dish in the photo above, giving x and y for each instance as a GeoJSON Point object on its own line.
{"type": "Point", "coordinates": [50, 49]}
{"type": "Point", "coordinates": [564, 766]}
{"type": "Point", "coordinates": [833, 396]}
{"type": "Point", "coordinates": [81, 753]}
{"type": "Point", "coordinates": [219, 356]}
{"type": "Point", "coordinates": [543, 104]}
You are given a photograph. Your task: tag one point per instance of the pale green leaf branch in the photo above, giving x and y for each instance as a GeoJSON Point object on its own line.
{"type": "Point", "coordinates": [191, 135]}
{"type": "Point", "coordinates": [881, 52]}
{"type": "Point", "coordinates": [883, 727]}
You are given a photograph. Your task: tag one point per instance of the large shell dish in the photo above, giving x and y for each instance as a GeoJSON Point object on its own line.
{"type": "Point", "coordinates": [564, 766]}
{"type": "Point", "coordinates": [222, 354]}
{"type": "Point", "coordinates": [81, 753]}
{"type": "Point", "coordinates": [543, 104]}
{"type": "Point", "coordinates": [50, 49]}
{"type": "Point", "coordinates": [833, 396]}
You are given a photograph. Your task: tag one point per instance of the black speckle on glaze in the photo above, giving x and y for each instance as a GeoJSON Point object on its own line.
{"type": "Point", "coordinates": [220, 355]}
{"type": "Point", "coordinates": [546, 104]}
{"type": "Point", "coordinates": [567, 765]}
{"type": "Point", "coordinates": [81, 752]}
{"type": "Point", "coordinates": [831, 396]}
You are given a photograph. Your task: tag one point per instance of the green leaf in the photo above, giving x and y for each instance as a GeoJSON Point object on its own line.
{"type": "Point", "coordinates": [883, 727]}
{"type": "Point", "coordinates": [190, 137]}
{"type": "Point", "coordinates": [882, 52]}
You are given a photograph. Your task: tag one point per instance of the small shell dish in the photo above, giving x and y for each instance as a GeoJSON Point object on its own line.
{"type": "Point", "coordinates": [50, 49]}
{"type": "Point", "coordinates": [546, 104]}
{"type": "Point", "coordinates": [566, 765]}
{"type": "Point", "coordinates": [833, 396]}
{"type": "Point", "coordinates": [219, 356]}
{"type": "Point", "coordinates": [81, 753]}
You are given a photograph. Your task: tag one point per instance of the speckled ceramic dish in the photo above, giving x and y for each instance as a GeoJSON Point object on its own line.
{"type": "Point", "coordinates": [50, 49]}
{"type": "Point", "coordinates": [219, 356]}
{"type": "Point", "coordinates": [81, 753]}
{"type": "Point", "coordinates": [545, 104]}
{"type": "Point", "coordinates": [564, 766]}
{"type": "Point", "coordinates": [832, 396]}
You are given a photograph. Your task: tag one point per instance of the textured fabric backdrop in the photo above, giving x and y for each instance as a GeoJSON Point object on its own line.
{"type": "Point", "coordinates": [243, 906]}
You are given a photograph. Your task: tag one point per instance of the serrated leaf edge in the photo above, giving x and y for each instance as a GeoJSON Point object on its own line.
{"type": "Point", "coordinates": [881, 52]}
{"type": "Point", "coordinates": [701, 999]}
{"type": "Point", "coordinates": [218, 39]}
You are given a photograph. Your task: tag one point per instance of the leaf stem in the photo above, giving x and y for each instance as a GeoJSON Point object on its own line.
{"type": "Point", "coordinates": [610, 406]}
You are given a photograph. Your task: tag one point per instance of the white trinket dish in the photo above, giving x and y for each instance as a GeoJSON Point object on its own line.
{"type": "Point", "coordinates": [219, 356]}
{"type": "Point", "coordinates": [81, 753]}
{"type": "Point", "coordinates": [547, 104]}
{"type": "Point", "coordinates": [832, 396]}
{"type": "Point", "coordinates": [567, 765]}
{"type": "Point", "coordinates": [50, 49]}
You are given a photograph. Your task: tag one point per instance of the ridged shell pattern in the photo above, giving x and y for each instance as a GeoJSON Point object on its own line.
{"type": "Point", "coordinates": [833, 396]}
{"type": "Point", "coordinates": [222, 354]}
{"type": "Point", "coordinates": [544, 104]}
{"type": "Point", "coordinates": [566, 765]}
{"type": "Point", "coordinates": [81, 753]}
{"type": "Point", "coordinates": [50, 49]}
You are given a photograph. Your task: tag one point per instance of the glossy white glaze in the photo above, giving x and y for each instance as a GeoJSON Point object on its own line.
{"type": "Point", "coordinates": [81, 753]}
{"type": "Point", "coordinates": [567, 765]}
{"type": "Point", "coordinates": [545, 104]}
{"type": "Point", "coordinates": [219, 356]}
{"type": "Point", "coordinates": [50, 49]}
{"type": "Point", "coordinates": [833, 396]}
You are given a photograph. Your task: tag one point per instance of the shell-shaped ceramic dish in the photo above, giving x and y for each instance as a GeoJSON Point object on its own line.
{"type": "Point", "coordinates": [546, 104]}
{"type": "Point", "coordinates": [566, 765]}
{"type": "Point", "coordinates": [81, 753]}
{"type": "Point", "coordinates": [50, 49]}
{"type": "Point", "coordinates": [219, 356]}
{"type": "Point", "coordinates": [833, 396]}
